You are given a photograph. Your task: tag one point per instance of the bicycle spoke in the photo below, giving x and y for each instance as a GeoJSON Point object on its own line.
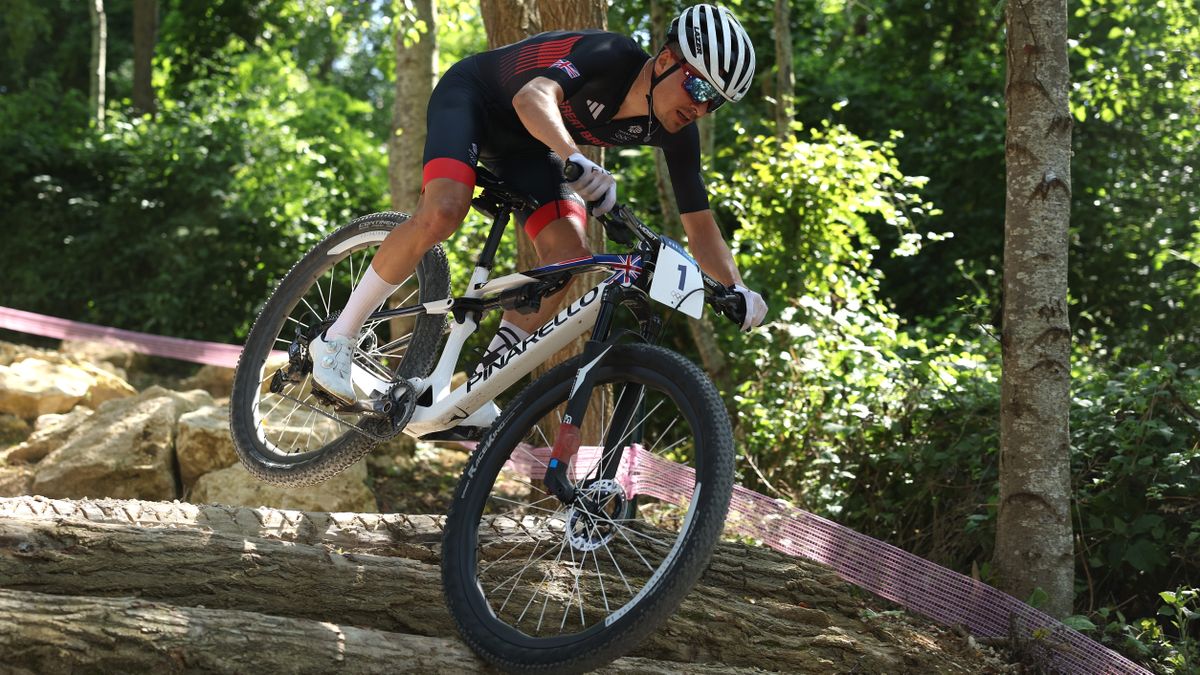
{"type": "Point", "coordinates": [671, 447]}
{"type": "Point", "coordinates": [621, 573]}
{"type": "Point", "coordinates": [663, 434]}
{"type": "Point", "coordinates": [600, 579]}
{"type": "Point", "coordinates": [296, 321]}
{"type": "Point", "coordinates": [528, 563]}
{"type": "Point", "coordinates": [574, 591]}
{"type": "Point", "coordinates": [510, 501]}
{"type": "Point", "coordinates": [546, 602]}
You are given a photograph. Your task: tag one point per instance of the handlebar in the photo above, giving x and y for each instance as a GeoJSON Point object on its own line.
{"type": "Point", "coordinates": [623, 227]}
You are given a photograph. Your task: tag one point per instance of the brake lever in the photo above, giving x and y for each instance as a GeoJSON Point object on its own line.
{"type": "Point", "coordinates": [729, 303]}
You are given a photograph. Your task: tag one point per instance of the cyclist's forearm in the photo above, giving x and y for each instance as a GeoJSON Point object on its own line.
{"type": "Point", "coordinates": [537, 107]}
{"type": "Point", "coordinates": [708, 247]}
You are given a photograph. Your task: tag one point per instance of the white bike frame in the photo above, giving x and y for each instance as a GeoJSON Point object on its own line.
{"type": "Point", "coordinates": [470, 404]}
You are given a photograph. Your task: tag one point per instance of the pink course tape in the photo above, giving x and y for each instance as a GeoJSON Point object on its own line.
{"type": "Point", "coordinates": [921, 586]}
{"type": "Point", "coordinates": [945, 596]}
{"type": "Point", "coordinates": [195, 351]}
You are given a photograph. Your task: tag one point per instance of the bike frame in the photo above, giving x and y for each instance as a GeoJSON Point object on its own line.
{"type": "Point", "coordinates": [467, 405]}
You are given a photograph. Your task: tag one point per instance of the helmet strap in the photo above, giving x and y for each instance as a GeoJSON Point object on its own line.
{"type": "Point", "coordinates": [654, 80]}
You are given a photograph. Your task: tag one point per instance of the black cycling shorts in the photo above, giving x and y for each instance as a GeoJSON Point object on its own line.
{"type": "Point", "coordinates": [459, 126]}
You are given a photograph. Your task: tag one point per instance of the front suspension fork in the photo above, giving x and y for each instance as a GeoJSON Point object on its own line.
{"type": "Point", "coordinates": [567, 440]}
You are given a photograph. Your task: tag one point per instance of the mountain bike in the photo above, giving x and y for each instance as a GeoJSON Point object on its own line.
{"type": "Point", "coordinates": [549, 560]}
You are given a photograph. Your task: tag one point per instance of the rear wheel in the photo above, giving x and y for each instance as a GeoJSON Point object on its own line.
{"type": "Point", "coordinates": [283, 431]}
{"type": "Point", "coordinates": [537, 585]}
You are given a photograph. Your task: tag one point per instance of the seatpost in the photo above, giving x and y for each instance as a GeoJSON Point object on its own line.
{"type": "Point", "coordinates": [487, 259]}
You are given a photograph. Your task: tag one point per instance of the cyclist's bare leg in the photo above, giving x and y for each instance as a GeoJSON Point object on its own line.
{"type": "Point", "coordinates": [440, 211]}
{"type": "Point", "coordinates": [559, 240]}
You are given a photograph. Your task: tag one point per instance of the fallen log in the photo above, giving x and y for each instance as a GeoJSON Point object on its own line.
{"type": "Point", "coordinates": [212, 569]}
{"type": "Point", "coordinates": [53, 634]}
{"type": "Point", "coordinates": [753, 608]}
{"type": "Point", "coordinates": [361, 532]}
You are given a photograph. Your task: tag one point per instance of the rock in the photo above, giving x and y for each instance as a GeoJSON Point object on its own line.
{"type": "Point", "coordinates": [215, 380]}
{"type": "Point", "coordinates": [15, 480]}
{"type": "Point", "coordinates": [33, 386]}
{"type": "Point", "coordinates": [106, 385]}
{"type": "Point", "coordinates": [10, 353]}
{"type": "Point", "coordinates": [13, 429]}
{"type": "Point", "coordinates": [115, 354]}
{"type": "Point", "coordinates": [204, 444]}
{"type": "Point", "coordinates": [234, 486]}
{"type": "Point", "coordinates": [49, 433]}
{"type": "Point", "coordinates": [125, 450]}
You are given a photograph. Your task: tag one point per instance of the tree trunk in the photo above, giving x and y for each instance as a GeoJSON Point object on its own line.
{"type": "Point", "coordinates": [1033, 531]}
{"type": "Point", "coordinates": [97, 66]}
{"type": "Point", "coordinates": [378, 572]}
{"type": "Point", "coordinates": [416, 70]}
{"type": "Point", "coordinates": [785, 80]}
{"type": "Point", "coordinates": [186, 566]}
{"type": "Point", "coordinates": [509, 21]}
{"type": "Point", "coordinates": [145, 26]}
{"type": "Point", "coordinates": [57, 633]}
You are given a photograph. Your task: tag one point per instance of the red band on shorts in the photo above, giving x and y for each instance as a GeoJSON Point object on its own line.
{"type": "Point", "coordinates": [548, 213]}
{"type": "Point", "coordinates": [444, 167]}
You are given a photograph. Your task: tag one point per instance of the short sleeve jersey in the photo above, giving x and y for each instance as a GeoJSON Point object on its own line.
{"type": "Point", "coordinates": [595, 69]}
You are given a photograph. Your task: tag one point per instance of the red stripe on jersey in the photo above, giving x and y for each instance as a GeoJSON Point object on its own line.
{"type": "Point", "coordinates": [539, 55]}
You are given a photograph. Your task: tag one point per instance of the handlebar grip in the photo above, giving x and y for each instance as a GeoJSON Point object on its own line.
{"type": "Point", "coordinates": [732, 305]}
{"type": "Point", "coordinates": [572, 171]}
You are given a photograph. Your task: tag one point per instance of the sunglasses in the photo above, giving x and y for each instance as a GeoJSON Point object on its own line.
{"type": "Point", "coordinates": [701, 90]}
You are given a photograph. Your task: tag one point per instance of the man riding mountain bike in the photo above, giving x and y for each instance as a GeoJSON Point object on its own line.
{"type": "Point", "coordinates": [523, 110]}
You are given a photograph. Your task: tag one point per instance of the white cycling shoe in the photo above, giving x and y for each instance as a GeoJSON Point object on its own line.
{"type": "Point", "coordinates": [331, 358]}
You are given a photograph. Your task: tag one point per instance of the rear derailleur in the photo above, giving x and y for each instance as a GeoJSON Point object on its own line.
{"type": "Point", "coordinates": [384, 415]}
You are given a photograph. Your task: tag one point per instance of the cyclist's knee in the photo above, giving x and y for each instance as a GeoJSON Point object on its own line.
{"type": "Point", "coordinates": [560, 240]}
{"type": "Point", "coordinates": [440, 217]}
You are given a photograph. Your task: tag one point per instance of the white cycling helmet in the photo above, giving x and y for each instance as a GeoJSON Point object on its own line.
{"type": "Point", "coordinates": [716, 46]}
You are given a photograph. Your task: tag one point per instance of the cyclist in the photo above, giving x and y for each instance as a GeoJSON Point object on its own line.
{"type": "Point", "coordinates": [525, 108]}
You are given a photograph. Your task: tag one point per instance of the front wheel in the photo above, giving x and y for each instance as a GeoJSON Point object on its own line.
{"type": "Point", "coordinates": [534, 584]}
{"type": "Point", "coordinates": [283, 431]}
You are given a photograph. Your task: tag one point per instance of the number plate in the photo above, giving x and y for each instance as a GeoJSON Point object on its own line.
{"type": "Point", "coordinates": [677, 281]}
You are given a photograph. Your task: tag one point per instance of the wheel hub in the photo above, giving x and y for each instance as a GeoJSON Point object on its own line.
{"type": "Point", "coordinates": [590, 521]}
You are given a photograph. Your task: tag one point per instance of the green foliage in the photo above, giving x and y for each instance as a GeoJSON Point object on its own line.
{"type": "Point", "coordinates": [179, 225]}
{"type": "Point", "coordinates": [1136, 464]}
{"type": "Point", "coordinates": [1167, 642]}
{"type": "Point", "coordinates": [1136, 227]}
{"type": "Point", "coordinates": [873, 394]}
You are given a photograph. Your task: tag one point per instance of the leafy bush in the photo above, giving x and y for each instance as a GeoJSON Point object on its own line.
{"type": "Point", "coordinates": [893, 429]}
{"type": "Point", "coordinates": [1136, 462]}
{"type": "Point", "coordinates": [1169, 642]}
{"type": "Point", "coordinates": [179, 225]}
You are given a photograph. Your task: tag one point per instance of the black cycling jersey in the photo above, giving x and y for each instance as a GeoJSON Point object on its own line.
{"type": "Point", "coordinates": [471, 116]}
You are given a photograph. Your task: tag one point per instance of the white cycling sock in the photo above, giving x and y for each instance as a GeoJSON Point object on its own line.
{"type": "Point", "coordinates": [367, 296]}
{"type": "Point", "coordinates": [508, 335]}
